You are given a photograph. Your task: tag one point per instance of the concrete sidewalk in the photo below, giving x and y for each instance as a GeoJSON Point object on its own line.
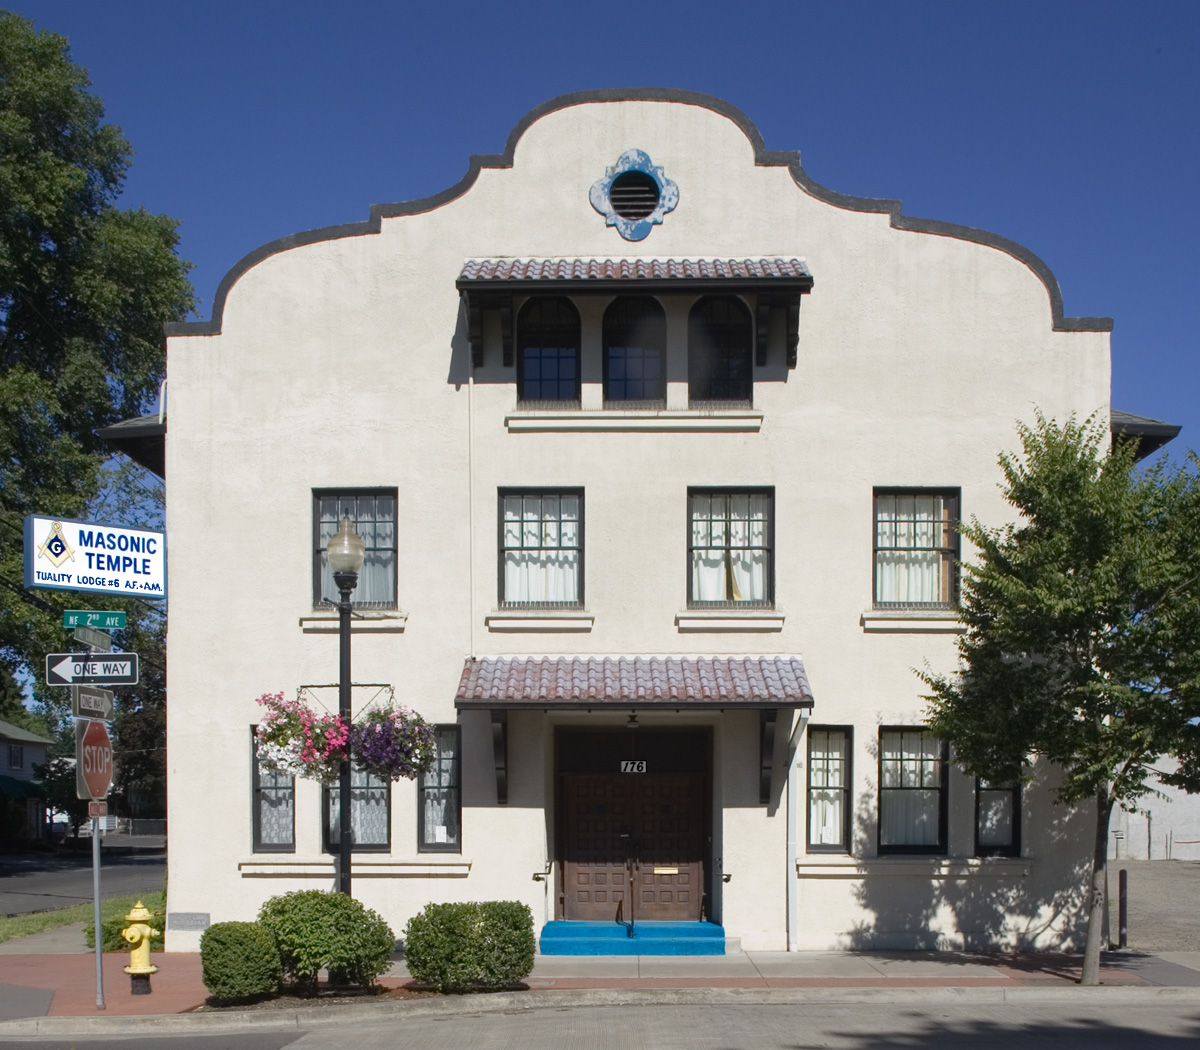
{"type": "Point", "coordinates": [51, 975]}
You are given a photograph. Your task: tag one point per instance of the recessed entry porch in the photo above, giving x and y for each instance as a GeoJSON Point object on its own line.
{"type": "Point", "coordinates": [635, 814]}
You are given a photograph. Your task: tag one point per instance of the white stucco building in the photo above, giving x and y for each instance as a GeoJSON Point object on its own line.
{"type": "Point", "coordinates": [642, 427]}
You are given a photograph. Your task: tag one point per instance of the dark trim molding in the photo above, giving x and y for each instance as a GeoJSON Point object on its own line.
{"type": "Point", "coordinates": [762, 157]}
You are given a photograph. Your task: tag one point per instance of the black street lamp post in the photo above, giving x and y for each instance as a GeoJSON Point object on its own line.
{"type": "Point", "coordinates": [345, 554]}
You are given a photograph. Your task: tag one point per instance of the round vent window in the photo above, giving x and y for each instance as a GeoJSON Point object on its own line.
{"type": "Point", "coordinates": [634, 195]}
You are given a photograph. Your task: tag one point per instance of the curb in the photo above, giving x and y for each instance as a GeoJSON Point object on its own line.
{"type": "Point", "coordinates": [512, 1002]}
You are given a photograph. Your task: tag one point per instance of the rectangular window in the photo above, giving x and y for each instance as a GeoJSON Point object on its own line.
{"type": "Point", "coordinates": [997, 819]}
{"type": "Point", "coordinates": [541, 548]}
{"type": "Point", "coordinates": [373, 514]}
{"type": "Point", "coordinates": [16, 756]}
{"type": "Point", "coordinates": [913, 767]}
{"type": "Point", "coordinates": [370, 814]}
{"type": "Point", "coordinates": [439, 803]}
{"type": "Point", "coordinates": [549, 373]}
{"type": "Point", "coordinates": [916, 548]}
{"type": "Point", "coordinates": [274, 802]}
{"type": "Point", "coordinates": [729, 548]}
{"type": "Point", "coordinates": [828, 789]}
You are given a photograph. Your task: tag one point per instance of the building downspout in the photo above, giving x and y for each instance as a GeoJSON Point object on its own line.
{"type": "Point", "coordinates": [471, 498]}
{"type": "Point", "coordinates": [793, 803]}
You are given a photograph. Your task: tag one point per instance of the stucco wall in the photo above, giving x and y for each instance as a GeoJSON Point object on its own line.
{"type": "Point", "coordinates": [344, 363]}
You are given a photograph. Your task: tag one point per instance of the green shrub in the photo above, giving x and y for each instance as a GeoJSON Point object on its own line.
{"type": "Point", "coordinates": [486, 944]}
{"type": "Point", "coordinates": [112, 926]}
{"type": "Point", "coordinates": [321, 929]}
{"type": "Point", "coordinates": [239, 960]}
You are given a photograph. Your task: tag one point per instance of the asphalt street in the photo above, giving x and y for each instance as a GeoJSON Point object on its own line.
{"type": "Point", "coordinates": [43, 882]}
{"type": "Point", "coordinates": [881, 1026]}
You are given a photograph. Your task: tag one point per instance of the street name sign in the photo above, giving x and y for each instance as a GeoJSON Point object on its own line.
{"type": "Point", "coordinates": [93, 760]}
{"type": "Point", "coordinates": [112, 620]}
{"type": "Point", "coordinates": [66, 555]}
{"type": "Point", "coordinates": [96, 639]}
{"type": "Point", "coordinates": [90, 669]}
{"type": "Point", "coordinates": [89, 701]}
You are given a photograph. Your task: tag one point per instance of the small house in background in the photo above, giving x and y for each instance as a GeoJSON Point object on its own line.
{"type": "Point", "coordinates": [22, 806]}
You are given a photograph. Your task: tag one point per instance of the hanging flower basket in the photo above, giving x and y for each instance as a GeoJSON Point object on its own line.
{"type": "Point", "coordinates": [295, 741]}
{"type": "Point", "coordinates": [390, 743]}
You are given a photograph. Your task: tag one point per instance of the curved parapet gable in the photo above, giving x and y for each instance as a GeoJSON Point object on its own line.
{"type": "Point", "coordinates": [762, 157]}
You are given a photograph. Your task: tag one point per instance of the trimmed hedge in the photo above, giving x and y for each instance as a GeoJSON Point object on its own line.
{"type": "Point", "coordinates": [484, 944]}
{"type": "Point", "coordinates": [239, 960]}
{"type": "Point", "coordinates": [322, 929]}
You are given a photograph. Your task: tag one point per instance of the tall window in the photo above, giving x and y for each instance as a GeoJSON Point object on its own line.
{"type": "Point", "coordinates": [370, 814]}
{"type": "Point", "coordinates": [635, 346]}
{"type": "Point", "coordinates": [916, 548]}
{"type": "Point", "coordinates": [912, 791]}
{"type": "Point", "coordinates": [997, 818]}
{"type": "Point", "coordinates": [274, 802]}
{"type": "Point", "coordinates": [828, 789]}
{"type": "Point", "coordinates": [720, 365]}
{"type": "Point", "coordinates": [16, 756]}
{"type": "Point", "coordinates": [548, 350]}
{"type": "Point", "coordinates": [541, 547]}
{"type": "Point", "coordinates": [373, 514]}
{"type": "Point", "coordinates": [729, 548]}
{"type": "Point", "coordinates": [439, 802]}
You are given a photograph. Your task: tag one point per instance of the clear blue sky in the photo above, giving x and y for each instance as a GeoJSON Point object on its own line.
{"type": "Point", "coordinates": [1070, 126]}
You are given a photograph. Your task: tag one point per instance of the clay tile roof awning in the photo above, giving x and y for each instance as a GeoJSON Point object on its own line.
{"type": "Point", "coordinates": [574, 682]}
{"type": "Point", "coordinates": [580, 274]}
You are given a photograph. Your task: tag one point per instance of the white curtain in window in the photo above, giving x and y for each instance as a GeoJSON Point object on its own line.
{"type": "Point", "coordinates": [729, 556]}
{"type": "Point", "coordinates": [541, 549]}
{"type": "Point", "coordinates": [908, 563]}
{"type": "Point", "coordinates": [276, 809]}
{"type": "Point", "coordinates": [909, 795]}
{"type": "Point", "coordinates": [440, 807]}
{"type": "Point", "coordinates": [826, 772]}
{"type": "Point", "coordinates": [368, 810]}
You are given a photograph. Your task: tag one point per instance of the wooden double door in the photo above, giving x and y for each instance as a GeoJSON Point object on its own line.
{"type": "Point", "coordinates": [633, 846]}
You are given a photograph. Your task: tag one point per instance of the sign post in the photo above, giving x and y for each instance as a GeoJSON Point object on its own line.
{"type": "Point", "coordinates": [93, 778]}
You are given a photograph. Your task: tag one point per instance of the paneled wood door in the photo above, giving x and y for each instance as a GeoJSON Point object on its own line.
{"type": "Point", "coordinates": [639, 827]}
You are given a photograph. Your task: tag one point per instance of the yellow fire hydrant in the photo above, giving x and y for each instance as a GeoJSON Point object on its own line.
{"type": "Point", "coordinates": [138, 934]}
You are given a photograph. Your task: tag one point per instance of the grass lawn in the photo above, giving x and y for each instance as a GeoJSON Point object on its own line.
{"type": "Point", "coordinates": [110, 908]}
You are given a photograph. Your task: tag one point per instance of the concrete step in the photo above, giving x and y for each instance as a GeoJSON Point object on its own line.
{"type": "Point", "coordinates": [645, 938]}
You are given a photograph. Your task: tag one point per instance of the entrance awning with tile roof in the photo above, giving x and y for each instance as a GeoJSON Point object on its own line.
{"type": "Point", "coordinates": [575, 683]}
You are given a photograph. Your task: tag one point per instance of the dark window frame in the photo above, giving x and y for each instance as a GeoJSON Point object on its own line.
{"type": "Point", "coordinates": [19, 751]}
{"type": "Point", "coordinates": [934, 849]}
{"type": "Point", "coordinates": [699, 397]}
{"type": "Point", "coordinates": [442, 847]}
{"type": "Point", "coordinates": [341, 493]}
{"type": "Point", "coordinates": [951, 553]}
{"type": "Point", "coordinates": [541, 493]}
{"type": "Point", "coordinates": [610, 333]}
{"type": "Point", "coordinates": [731, 603]}
{"type": "Point", "coordinates": [825, 847]}
{"type": "Point", "coordinates": [528, 329]}
{"type": "Point", "coordinates": [1013, 849]}
{"type": "Point", "coordinates": [327, 843]}
{"type": "Point", "coordinates": [257, 789]}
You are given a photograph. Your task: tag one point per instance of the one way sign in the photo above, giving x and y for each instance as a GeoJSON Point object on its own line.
{"type": "Point", "coordinates": [91, 669]}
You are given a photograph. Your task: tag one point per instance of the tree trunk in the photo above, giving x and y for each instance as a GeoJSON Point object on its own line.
{"type": "Point", "coordinates": [1099, 898]}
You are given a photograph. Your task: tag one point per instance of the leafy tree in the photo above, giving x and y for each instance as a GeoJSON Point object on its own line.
{"type": "Point", "coordinates": [1082, 642]}
{"type": "Point", "coordinates": [57, 778]}
{"type": "Point", "coordinates": [84, 291]}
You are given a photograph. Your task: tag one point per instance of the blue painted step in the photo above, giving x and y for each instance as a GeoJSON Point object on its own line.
{"type": "Point", "coordinates": [649, 938]}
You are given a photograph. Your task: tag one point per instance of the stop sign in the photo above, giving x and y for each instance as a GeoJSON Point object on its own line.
{"type": "Point", "coordinates": [93, 756]}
